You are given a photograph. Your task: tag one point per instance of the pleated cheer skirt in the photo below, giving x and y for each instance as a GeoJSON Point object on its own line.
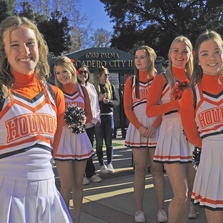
{"type": "Point", "coordinates": [208, 183]}
{"type": "Point", "coordinates": [74, 146]}
{"type": "Point", "coordinates": [23, 201]}
{"type": "Point", "coordinates": [133, 138]}
{"type": "Point", "coordinates": [172, 145]}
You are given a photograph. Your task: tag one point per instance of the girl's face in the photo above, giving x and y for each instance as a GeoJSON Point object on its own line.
{"type": "Point", "coordinates": [62, 75]}
{"type": "Point", "coordinates": [21, 49]}
{"type": "Point", "coordinates": [179, 55]}
{"type": "Point", "coordinates": [210, 57]}
{"type": "Point", "coordinates": [141, 60]}
{"type": "Point", "coordinates": [104, 77]}
{"type": "Point", "coordinates": [83, 74]}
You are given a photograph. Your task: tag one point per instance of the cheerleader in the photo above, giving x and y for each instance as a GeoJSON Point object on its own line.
{"type": "Point", "coordinates": [142, 131]}
{"type": "Point", "coordinates": [74, 149]}
{"type": "Point", "coordinates": [202, 118]}
{"type": "Point", "coordinates": [31, 120]}
{"type": "Point", "coordinates": [173, 150]}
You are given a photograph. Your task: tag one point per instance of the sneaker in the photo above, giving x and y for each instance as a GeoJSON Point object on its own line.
{"type": "Point", "coordinates": [85, 181]}
{"type": "Point", "coordinates": [104, 169]}
{"type": "Point", "coordinates": [95, 179]}
{"type": "Point", "coordinates": [110, 168]}
{"type": "Point", "coordinates": [162, 216]}
{"type": "Point", "coordinates": [140, 217]}
{"type": "Point", "coordinates": [192, 212]}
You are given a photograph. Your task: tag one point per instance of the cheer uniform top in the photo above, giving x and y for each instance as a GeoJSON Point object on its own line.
{"type": "Point", "coordinates": [172, 145]}
{"type": "Point", "coordinates": [30, 118]}
{"type": "Point", "coordinates": [135, 110]}
{"type": "Point", "coordinates": [75, 146]}
{"type": "Point", "coordinates": [202, 118]}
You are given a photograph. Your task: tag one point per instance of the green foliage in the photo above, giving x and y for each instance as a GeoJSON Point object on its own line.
{"type": "Point", "coordinates": [157, 22]}
{"type": "Point", "coordinates": [56, 33]}
{"type": "Point", "coordinates": [3, 10]}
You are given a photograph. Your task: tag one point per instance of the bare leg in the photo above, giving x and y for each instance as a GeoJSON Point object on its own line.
{"type": "Point", "coordinates": [65, 171]}
{"type": "Point", "coordinates": [178, 179]}
{"type": "Point", "coordinates": [141, 166]}
{"type": "Point", "coordinates": [79, 170]}
{"type": "Point", "coordinates": [214, 216]}
{"type": "Point", "coordinates": [158, 179]}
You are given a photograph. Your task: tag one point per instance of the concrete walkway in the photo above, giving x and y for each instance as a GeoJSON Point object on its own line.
{"type": "Point", "coordinates": [112, 200]}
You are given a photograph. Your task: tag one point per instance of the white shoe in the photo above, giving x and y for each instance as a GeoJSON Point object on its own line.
{"type": "Point", "coordinates": [95, 178]}
{"type": "Point", "coordinates": [85, 181]}
{"type": "Point", "coordinates": [110, 168]}
{"type": "Point", "coordinates": [104, 169]}
{"type": "Point", "coordinates": [192, 212]}
{"type": "Point", "coordinates": [161, 216]}
{"type": "Point", "coordinates": [140, 217]}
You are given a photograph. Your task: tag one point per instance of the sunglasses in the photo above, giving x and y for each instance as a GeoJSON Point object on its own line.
{"type": "Point", "coordinates": [83, 72]}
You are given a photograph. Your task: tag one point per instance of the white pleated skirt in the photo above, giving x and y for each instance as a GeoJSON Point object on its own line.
{"type": "Point", "coordinates": [134, 139]}
{"type": "Point", "coordinates": [208, 183]}
{"type": "Point", "coordinates": [172, 145]}
{"type": "Point", "coordinates": [23, 201]}
{"type": "Point", "coordinates": [74, 146]}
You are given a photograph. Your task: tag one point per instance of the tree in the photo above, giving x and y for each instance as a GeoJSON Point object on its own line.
{"type": "Point", "coordinates": [3, 10]}
{"type": "Point", "coordinates": [101, 38]}
{"type": "Point", "coordinates": [56, 33]}
{"type": "Point", "coordinates": [157, 22]}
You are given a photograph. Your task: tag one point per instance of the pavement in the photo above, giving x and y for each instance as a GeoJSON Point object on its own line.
{"type": "Point", "coordinates": [112, 199]}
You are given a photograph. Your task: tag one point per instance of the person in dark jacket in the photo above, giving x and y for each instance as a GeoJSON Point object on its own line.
{"type": "Point", "coordinates": [107, 100]}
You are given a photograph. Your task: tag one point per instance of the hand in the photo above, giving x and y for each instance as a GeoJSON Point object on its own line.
{"type": "Point", "coordinates": [143, 131]}
{"type": "Point", "coordinates": [196, 157]}
{"type": "Point", "coordinates": [151, 131]}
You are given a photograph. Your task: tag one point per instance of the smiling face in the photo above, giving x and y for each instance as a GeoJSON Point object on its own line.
{"type": "Point", "coordinates": [210, 57]}
{"type": "Point", "coordinates": [179, 54]}
{"type": "Point", "coordinates": [83, 74]}
{"type": "Point", "coordinates": [141, 60]}
{"type": "Point", "coordinates": [21, 49]}
{"type": "Point", "coordinates": [62, 75]}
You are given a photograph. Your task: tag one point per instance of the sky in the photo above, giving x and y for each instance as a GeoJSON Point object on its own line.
{"type": "Point", "coordinates": [95, 13]}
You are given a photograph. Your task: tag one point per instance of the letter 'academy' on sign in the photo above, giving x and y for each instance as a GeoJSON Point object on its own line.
{"type": "Point", "coordinates": [24, 125]}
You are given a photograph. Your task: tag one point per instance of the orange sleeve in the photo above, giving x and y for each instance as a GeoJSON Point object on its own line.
{"type": "Point", "coordinates": [128, 103]}
{"type": "Point", "coordinates": [60, 104]}
{"type": "Point", "coordinates": [153, 106]}
{"type": "Point", "coordinates": [87, 106]}
{"type": "Point", "coordinates": [187, 113]}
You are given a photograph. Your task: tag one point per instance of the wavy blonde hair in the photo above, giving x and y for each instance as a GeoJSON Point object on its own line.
{"type": "Point", "coordinates": [42, 69]}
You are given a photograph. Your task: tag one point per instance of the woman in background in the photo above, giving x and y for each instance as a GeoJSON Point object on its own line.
{"type": "Point", "coordinates": [107, 100]}
{"type": "Point", "coordinates": [83, 78]}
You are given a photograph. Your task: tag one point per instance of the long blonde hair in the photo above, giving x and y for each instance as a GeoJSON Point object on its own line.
{"type": "Point", "coordinates": [97, 74]}
{"type": "Point", "coordinates": [189, 65]}
{"type": "Point", "coordinates": [65, 62]}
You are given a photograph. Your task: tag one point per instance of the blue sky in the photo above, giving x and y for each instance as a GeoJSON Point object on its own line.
{"type": "Point", "coordinates": [96, 14]}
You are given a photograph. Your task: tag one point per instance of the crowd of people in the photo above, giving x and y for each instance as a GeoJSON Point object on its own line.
{"type": "Point", "coordinates": [175, 122]}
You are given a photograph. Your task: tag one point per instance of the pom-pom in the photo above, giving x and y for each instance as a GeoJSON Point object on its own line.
{"type": "Point", "coordinates": [74, 117]}
{"type": "Point", "coordinates": [196, 157]}
{"type": "Point", "coordinates": [179, 88]}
